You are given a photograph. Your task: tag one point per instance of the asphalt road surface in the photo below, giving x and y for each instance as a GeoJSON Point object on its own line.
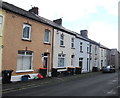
{"type": "Point", "coordinates": [103, 84]}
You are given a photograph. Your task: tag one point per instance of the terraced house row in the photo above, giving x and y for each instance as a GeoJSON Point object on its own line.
{"type": "Point", "coordinates": [29, 42]}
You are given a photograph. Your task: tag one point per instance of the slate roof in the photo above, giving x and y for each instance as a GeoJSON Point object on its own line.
{"type": "Point", "coordinates": [102, 46]}
{"type": "Point", "coordinates": [87, 39]}
{"type": "Point", "coordinates": [22, 12]}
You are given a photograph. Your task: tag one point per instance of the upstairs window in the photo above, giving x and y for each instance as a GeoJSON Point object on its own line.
{"type": "Point", "coordinates": [88, 48]}
{"type": "Point", "coordinates": [81, 47]}
{"type": "Point", "coordinates": [1, 21]}
{"type": "Point", "coordinates": [101, 52]}
{"type": "Point", "coordinates": [47, 36]}
{"type": "Point", "coordinates": [62, 39]}
{"type": "Point", "coordinates": [72, 43]}
{"type": "Point", "coordinates": [95, 49]}
{"type": "Point", "coordinates": [26, 32]}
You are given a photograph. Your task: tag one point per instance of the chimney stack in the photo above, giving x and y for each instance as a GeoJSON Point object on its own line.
{"type": "Point", "coordinates": [58, 21]}
{"type": "Point", "coordinates": [34, 10]}
{"type": "Point", "coordinates": [84, 33]}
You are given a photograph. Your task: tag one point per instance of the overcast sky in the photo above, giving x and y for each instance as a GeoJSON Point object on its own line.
{"type": "Point", "coordinates": [99, 17]}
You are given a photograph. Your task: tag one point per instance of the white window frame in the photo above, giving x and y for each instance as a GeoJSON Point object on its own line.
{"type": "Point", "coordinates": [1, 29]}
{"type": "Point", "coordinates": [46, 30]}
{"type": "Point", "coordinates": [24, 55]}
{"type": "Point", "coordinates": [81, 46]}
{"type": "Point", "coordinates": [72, 42]}
{"type": "Point", "coordinates": [95, 49]}
{"type": "Point", "coordinates": [101, 52]}
{"type": "Point", "coordinates": [29, 26]}
{"type": "Point", "coordinates": [88, 49]}
{"type": "Point", "coordinates": [61, 56]}
{"type": "Point", "coordinates": [62, 39]}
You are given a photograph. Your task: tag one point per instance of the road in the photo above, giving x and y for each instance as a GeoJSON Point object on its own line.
{"type": "Point", "coordinates": [98, 85]}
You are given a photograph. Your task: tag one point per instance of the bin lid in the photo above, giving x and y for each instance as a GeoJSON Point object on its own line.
{"type": "Point", "coordinates": [43, 68]}
{"type": "Point", "coordinates": [7, 70]}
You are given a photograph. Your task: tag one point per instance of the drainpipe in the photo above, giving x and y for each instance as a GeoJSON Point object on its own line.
{"type": "Point", "coordinates": [52, 49]}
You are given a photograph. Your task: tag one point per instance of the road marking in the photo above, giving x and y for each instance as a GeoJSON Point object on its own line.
{"type": "Point", "coordinates": [113, 91]}
{"type": "Point", "coordinates": [113, 81]}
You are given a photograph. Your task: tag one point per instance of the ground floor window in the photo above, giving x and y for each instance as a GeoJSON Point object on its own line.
{"type": "Point", "coordinates": [101, 63]}
{"type": "Point", "coordinates": [61, 60]}
{"type": "Point", "coordinates": [24, 60]}
{"type": "Point", "coordinates": [80, 62]}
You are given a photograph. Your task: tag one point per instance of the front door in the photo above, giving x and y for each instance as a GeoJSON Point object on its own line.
{"type": "Point", "coordinates": [45, 61]}
{"type": "Point", "coordinates": [80, 63]}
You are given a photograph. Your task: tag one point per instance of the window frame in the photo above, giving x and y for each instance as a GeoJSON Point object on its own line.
{"type": "Point", "coordinates": [25, 55]}
{"type": "Point", "coordinates": [88, 48]}
{"type": "Point", "coordinates": [46, 42]}
{"type": "Point", "coordinates": [61, 56]}
{"type": "Point", "coordinates": [81, 46]}
{"type": "Point", "coordinates": [26, 25]}
{"type": "Point", "coordinates": [96, 50]}
{"type": "Point", "coordinates": [73, 42]}
{"type": "Point", "coordinates": [62, 39]}
{"type": "Point", "coordinates": [1, 25]}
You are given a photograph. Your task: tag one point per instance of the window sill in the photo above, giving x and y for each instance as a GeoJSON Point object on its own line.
{"type": "Point", "coordinates": [21, 71]}
{"type": "Point", "coordinates": [72, 47]}
{"type": "Point", "coordinates": [26, 40]}
{"type": "Point", "coordinates": [47, 43]}
{"type": "Point", "coordinates": [81, 51]}
{"type": "Point", "coordinates": [62, 46]}
{"type": "Point", "coordinates": [88, 52]}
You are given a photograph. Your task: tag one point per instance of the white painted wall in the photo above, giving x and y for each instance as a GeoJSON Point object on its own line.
{"type": "Point", "coordinates": [103, 56]}
{"type": "Point", "coordinates": [95, 56]}
{"type": "Point", "coordinates": [79, 54]}
{"type": "Point", "coordinates": [66, 50]}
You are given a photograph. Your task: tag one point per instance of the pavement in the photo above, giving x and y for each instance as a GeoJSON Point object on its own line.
{"type": "Point", "coordinates": [14, 86]}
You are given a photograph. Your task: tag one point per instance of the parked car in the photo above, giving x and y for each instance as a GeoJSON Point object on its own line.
{"type": "Point", "coordinates": [110, 69]}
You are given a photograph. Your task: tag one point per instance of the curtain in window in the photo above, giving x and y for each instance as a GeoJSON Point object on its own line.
{"type": "Point", "coordinates": [1, 19]}
{"type": "Point", "coordinates": [47, 36]}
{"type": "Point", "coordinates": [26, 32]}
{"type": "Point", "coordinates": [20, 63]}
{"type": "Point", "coordinates": [60, 62]}
{"type": "Point", "coordinates": [62, 39]}
{"type": "Point", "coordinates": [24, 60]}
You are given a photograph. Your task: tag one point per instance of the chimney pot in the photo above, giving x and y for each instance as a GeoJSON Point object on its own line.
{"type": "Point", "coordinates": [34, 10]}
{"type": "Point", "coordinates": [84, 33]}
{"type": "Point", "coordinates": [58, 21]}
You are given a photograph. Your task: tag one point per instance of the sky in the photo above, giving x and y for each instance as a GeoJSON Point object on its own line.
{"type": "Point", "coordinates": [99, 17]}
